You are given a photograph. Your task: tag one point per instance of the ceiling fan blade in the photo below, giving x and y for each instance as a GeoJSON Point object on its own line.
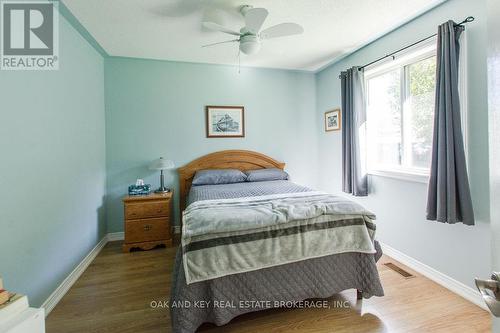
{"type": "Point", "coordinates": [282, 30]}
{"type": "Point", "coordinates": [227, 41]}
{"type": "Point", "coordinates": [217, 27]}
{"type": "Point", "coordinates": [254, 19]}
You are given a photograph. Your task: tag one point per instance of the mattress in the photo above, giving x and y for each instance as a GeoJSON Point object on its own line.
{"type": "Point", "coordinates": [241, 190]}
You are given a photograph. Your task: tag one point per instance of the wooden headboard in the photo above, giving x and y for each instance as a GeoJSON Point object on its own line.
{"type": "Point", "coordinates": [226, 159]}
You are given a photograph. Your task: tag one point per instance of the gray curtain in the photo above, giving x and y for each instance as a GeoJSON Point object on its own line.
{"type": "Point", "coordinates": [448, 197]}
{"type": "Point", "coordinates": [353, 118]}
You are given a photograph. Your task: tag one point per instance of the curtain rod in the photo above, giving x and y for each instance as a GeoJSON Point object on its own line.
{"type": "Point", "coordinates": [467, 20]}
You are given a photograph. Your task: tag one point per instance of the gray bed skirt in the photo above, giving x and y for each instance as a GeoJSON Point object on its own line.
{"type": "Point", "coordinates": [192, 305]}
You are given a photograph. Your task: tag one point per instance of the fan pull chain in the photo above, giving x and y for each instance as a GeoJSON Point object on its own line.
{"type": "Point", "coordinates": [239, 61]}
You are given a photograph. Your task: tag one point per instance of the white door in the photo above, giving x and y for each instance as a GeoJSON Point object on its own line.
{"type": "Point", "coordinates": [494, 132]}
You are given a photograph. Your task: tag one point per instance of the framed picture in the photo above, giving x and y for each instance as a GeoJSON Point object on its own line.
{"type": "Point", "coordinates": [332, 120]}
{"type": "Point", "coordinates": [225, 121]}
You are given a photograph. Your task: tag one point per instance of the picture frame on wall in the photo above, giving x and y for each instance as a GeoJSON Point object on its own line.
{"type": "Point", "coordinates": [333, 120]}
{"type": "Point", "coordinates": [225, 121]}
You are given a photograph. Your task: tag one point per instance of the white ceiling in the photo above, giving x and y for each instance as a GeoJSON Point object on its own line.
{"type": "Point", "coordinates": [171, 29]}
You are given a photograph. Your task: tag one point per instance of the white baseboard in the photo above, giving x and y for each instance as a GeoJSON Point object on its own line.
{"type": "Point", "coordinates": [51, 302]}
{"type": "Point", "coordinates": [63, 288]}
{"type": "Point", "coordinates": [449, 283]}
{"type": "Point", "coordinates": [115, 236]}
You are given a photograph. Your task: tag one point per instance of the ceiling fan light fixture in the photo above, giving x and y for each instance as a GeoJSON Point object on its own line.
{"type": "Point", "coordinates": [250, 44]}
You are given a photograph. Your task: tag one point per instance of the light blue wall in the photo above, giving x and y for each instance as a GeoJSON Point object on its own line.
{"type": "Point", "coordinates": [456, 250]}
{"type": "Point", "coordinates": [156, 108]}
{"type": "Point", "coordinates": [52, 170]}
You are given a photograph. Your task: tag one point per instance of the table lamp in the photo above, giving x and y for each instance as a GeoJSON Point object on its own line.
{"type": "Point", "coordinates": [162, 164]}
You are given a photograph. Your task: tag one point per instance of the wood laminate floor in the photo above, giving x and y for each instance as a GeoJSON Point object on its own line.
{"type": "Point", "coordinates": [115, 292]}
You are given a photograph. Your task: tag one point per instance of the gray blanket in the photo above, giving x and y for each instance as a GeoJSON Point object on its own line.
{"type": "Point", "coordinates": [229, 236]}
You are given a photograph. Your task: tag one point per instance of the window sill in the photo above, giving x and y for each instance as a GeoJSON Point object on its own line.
{"type": "Point", "coordinates": [401, 175]}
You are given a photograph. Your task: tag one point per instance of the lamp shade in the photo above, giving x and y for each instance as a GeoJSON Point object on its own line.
{"type": "Point", "coordinates": [161, 164]}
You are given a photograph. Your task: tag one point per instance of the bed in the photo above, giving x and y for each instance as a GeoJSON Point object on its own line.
{"type": "Point", "coordinates": [225, 269]}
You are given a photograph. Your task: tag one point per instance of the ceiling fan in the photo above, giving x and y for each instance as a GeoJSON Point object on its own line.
{"type": "Point", "coordinates": [250, 36]}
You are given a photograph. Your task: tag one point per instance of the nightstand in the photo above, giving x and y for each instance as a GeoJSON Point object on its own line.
{"type": "Point", "coordinates": [147, 221]}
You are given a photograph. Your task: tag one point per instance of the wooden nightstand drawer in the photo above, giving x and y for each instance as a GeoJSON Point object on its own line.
{"type": "Point", "coordinates": [145, 210]}
{"type": "Point", "coordinates": [147, 221]}
{"type": "Point", "coordinates": [147, 230]}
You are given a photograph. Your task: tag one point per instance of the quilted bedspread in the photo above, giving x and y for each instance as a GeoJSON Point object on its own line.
{"type": "Point", "coordinates": [221, 299]}
{"type": "Point", "coordinates": [259, 290]}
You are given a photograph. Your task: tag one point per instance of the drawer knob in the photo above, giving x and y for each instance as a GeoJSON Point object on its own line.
{"type": "Point", "coordinates": [148, 227]}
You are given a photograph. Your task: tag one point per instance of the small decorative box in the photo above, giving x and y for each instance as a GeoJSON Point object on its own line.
{"type": "Point", "coordinates": [139, 189]}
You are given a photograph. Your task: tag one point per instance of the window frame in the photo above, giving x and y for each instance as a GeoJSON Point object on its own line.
{"type": "Point", "coordinates": [419, 52]}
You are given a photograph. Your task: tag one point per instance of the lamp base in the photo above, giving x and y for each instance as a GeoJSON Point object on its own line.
{"type": "Point", "coordinates": [162, 190]}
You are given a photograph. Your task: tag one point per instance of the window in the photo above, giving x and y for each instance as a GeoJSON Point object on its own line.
{"type": "Point", "coordinates": [400, 112]}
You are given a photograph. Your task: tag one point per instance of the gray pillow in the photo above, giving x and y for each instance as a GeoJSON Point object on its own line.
{"type": "Point", "coordinates": [218, 176]}
{"type": "Point", "coordinates": [262, 175]}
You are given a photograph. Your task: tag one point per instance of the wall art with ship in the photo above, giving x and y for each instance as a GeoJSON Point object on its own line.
{"type": "Point", "coordinates": [225, 121]}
